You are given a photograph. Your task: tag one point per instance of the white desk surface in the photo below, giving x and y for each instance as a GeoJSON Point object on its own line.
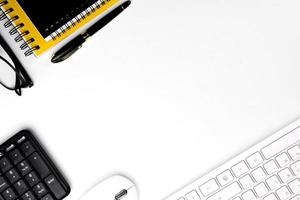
{"type": "Point", "coordinates": [166, 92]}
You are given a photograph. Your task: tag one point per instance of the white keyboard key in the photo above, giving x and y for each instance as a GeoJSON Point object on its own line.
{"type": "Point", "coordinates": [258, 174]}
{"type": "Point", "coordinates": [296, 168]}
{"type": "Point", "coordinates": [227, 192]}
{"type": "Point", "coordinates": [283, 193]}
{"type": "Point", "coordinates": [271, 197]}
{"type": "Point", "coordinates": [225, 178]}
{"type": "Point", "coordinates": [273, 182]}
{"type": "Point", "coordinates": [283, 160]}
{"type": "Point", "coordinates": [246, 181]}
{"type": "Point", "coordinates": [240, 169]}
{"type": "Point", "coordinates": [295, 186]}
{"type": "Point", "coordinates": [281, 143]}
{"type": "Point", "coordinates": [261, 189]}
{"type": "Point", "coordinates": [193, 195]}
{"type": "Point", "coordinates": [296, 197]}
{"type": "Point", "coordinates": [294, 152]}
{"type": "Point", "coordinates": [254, 160]}
{"type": "Point", "coordinates": [209, 187]}
{"type": "Point", "coordinates": [285, 175]}
{"type": "Point", "coordinates": [271, 167]}
{"type": "Point", "coordinates": [249, 195]}
{"type": "Point", "coordinates": [262, 173]}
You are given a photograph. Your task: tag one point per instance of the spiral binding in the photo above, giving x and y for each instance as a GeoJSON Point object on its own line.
{"type": "Point", "coordinates": [15, 29]}
{"type": "Point", "coordinates": [76, 19]}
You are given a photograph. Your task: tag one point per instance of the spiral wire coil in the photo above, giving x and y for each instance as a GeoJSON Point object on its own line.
{"type": "Point", "coordinates": [15, 29]}
{"type": "Point", "coordinates": [78, 19]}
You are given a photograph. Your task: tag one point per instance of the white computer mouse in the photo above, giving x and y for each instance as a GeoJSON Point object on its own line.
{"type": "Point", "coordinates": [116, 187]}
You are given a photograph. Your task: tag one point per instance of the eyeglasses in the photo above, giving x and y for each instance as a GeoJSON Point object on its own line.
{"type": "Point", "coordinates": [12, 73]}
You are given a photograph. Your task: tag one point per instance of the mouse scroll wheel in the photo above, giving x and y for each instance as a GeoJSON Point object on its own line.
{"type": "Point", "coordinates": [121, 194]}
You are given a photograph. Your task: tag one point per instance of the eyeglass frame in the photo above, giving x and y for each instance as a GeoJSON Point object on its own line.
{"type": "Point", "coordinates": [19, 68]}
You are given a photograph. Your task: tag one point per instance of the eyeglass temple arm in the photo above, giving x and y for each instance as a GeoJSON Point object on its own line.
{"type": "Point", "coordinates": [16, 61]}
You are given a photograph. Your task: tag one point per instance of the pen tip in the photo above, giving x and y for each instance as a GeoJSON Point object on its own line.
{"type": "Point", "coordinates": [55, 59]}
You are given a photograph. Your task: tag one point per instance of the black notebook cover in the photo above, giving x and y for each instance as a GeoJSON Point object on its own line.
{"type": "Point", "coordinates": [41, 24]}
{"type": "Point", "coordinates": [50, 15]}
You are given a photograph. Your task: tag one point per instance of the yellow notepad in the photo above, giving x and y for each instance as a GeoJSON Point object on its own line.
{"type": "Point", "coordinates": [40, 24]}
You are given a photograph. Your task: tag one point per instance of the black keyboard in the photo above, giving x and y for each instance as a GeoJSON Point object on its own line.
{"type": "Point", "coordinates": [27, 173]}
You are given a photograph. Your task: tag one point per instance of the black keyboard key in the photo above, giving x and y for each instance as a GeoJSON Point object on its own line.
{"type": "Point", "coordinates": [46, 197]}
{"type": "Point", "coordinates": [9, 194]}
{"type": "Point", "coordinates": [16, 156]}
{"type": "Point", "coordinates": [55, 187]}
{"type": "Point", "coordinates": [28, 196]}
{"type": "Point", "coordinates": [27, 148]}
{"type": "Point", "coordinates": [39, 165]}
{"type": "Point", "coordinates": [20, 187]}
{"type": "Point", "coordinates": [26, 172]}
{"type": "Point", "coordinates": [24, 167]}
{"type": "Point", "coordinates": [3, 184]}
{"type": "Point", "coordinates": [40, 190]}
{"type": "Point", "coordinates": [12, 175]}
{"type": "Point", "coordinates": [32, 178]}
{"type": "Point", "coordinates": [5, 165]}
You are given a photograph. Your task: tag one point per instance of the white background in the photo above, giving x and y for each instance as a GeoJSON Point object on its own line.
{"type": "Point", "coordinates": [166, 92]}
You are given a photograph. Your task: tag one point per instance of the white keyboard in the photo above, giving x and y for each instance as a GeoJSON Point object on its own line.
{"type": "Point", "coordinates": [268, 171]}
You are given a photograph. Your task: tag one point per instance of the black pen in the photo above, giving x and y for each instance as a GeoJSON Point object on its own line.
{"type": "Point", "coordinates": [75, 44]}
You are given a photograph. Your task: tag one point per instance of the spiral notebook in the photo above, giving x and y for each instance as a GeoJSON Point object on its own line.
{"type": "Point", "coordinates": [40, 24]}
